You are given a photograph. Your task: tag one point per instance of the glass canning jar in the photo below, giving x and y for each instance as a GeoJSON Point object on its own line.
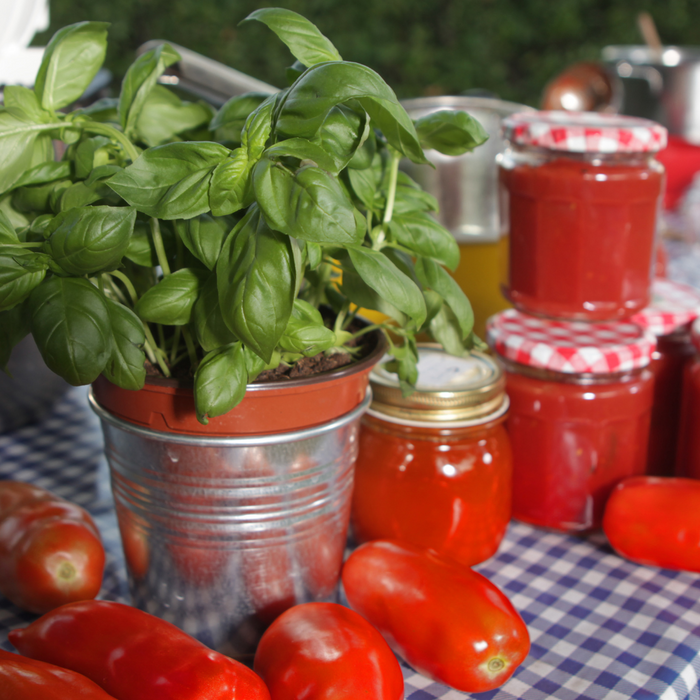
{"type": "Point", "coordinates": [580, 407]}
{"type": "Point", "coordinates": [580, 197]}
{"type": "Point", "coordinates": [434, 468]}
{"type": "Point", "coordinates": [673, 308]}
{"type": "Point", "coordinates": [688, 454]}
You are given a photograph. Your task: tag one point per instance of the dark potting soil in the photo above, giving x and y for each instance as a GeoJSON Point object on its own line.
{"type": "Point", "coordinates": [304, 367]}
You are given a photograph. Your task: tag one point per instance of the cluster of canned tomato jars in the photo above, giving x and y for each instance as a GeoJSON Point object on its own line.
{"type": "Point", "coordinates": [583, 386]}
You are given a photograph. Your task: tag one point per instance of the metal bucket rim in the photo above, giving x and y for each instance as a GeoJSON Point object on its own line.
{"type": "Point", "coordinates": [218, 441]}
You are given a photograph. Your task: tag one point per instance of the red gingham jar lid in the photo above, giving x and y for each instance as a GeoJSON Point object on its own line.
{"type": "Point", "coordinates": [585, 132]}
{"type": "Point", "coordinates": [673, 307]}
{"type": "Point", "coordinates": [571, 347]}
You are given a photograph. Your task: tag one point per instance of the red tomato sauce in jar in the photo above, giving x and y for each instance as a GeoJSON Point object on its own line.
{"type": "Point", "coordinates": [434, 469]}
{"type": "Point", "coordinates": [582, 200]}
{"type": "Point", "coordinates": [579, 418]}
{"type": "Point", "coordinates": [688, 453]}
{"type": "Point", "coordinates": [673, 308]}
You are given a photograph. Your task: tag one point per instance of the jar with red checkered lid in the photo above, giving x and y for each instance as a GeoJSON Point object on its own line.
{"type": "Point", "coordinates": [674, 306]}
{"type": "Point", "coordinates": [580, 194]}
{"type": "Point", "coordinates": [688, 452]}
{"type": "Point", "coordinates": [580, 407]}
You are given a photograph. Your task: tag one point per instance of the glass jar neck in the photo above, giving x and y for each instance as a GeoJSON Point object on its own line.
{"type": "Point", "coordinates": [430, 432]}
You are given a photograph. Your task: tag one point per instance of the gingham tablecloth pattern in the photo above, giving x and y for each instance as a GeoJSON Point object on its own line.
{"type": "Point", "coordinates": [602, 628]}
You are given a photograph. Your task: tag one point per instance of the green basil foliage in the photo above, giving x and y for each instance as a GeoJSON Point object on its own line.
{"type": "Point", "coordinates": [205, 242]}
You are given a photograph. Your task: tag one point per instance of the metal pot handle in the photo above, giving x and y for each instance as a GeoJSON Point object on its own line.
{"type": "Point", "coordinates": [206, 78]}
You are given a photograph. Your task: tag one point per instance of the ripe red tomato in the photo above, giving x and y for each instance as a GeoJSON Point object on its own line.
{"type": "Point", "coordinates": [656, 520]}
{"type": "Point", "coordinates": [448, 622]}
{"type": "Point", "coordinates": [27, 679]}
{"type": "Point", "coordinates": [324, 651]}
{"type": "Point", "coordinates": [50, 549]}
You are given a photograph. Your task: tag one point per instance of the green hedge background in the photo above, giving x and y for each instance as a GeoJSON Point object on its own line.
{"type": "Point", "coordinates": [421, 47]}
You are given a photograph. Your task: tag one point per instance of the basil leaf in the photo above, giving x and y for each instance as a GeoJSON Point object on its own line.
{"type": "Point", "coordinates": [363, 296]}
{"type": "Point", "coordinates": [209, 325]}
{"type": "Point", "coordinates": [71, 326]}
{"type": "Point", "coordinates": [326, 85]}
{"type": "Point", "coordinates": [126, 366]}
{"type": "Point", "coordinates": [309, 204]}
{"type": "Point", "coordinates": [44, 173]}
{"type": "Point", "coordinates": [85, 240]}
{"type": "Point", "coordinates": [306, 333]}
{"type": "Point", "coordinates": [164, 116]}
{"type": "Point", "coordinates": [36, 198]}
{"type": "Point", "coordinates": [106, 109]}
{"type": "Point", "coordinates": [139, 80]}
{"type": "Point", "coordinates": [20, 273]}
{"type": "Point", "coordinates": [314, 254]}
{"type": "Point", "coordinates": [171, 301]}
{"type": "Point", "coordinates": [23, 145]}
{"type": "Point", "coordinates": [446, 329]}
{"type": "Point", "coordinates": [8, 235]}
{"type": "Point", "coordinates": [303, 150]}
{"type": "Point", "coordinates": [230, 188]}
{"type": "Point", "coordinates": [80, 195]}
{"type": "Point", "coordinates": [220, 382]}
{"type": "Point", "coordinates": [14, 326]}
{"type": "Point", "coordinates": [366, 185]}
{"type": "Point", "coordinates": [389, 282]}
{"type": "Point", "coordinates": [84, 158]}
{"type": "Point", "coordinates": [229, 121]}
{"type": "Point", "coordinates": [341, 134]}
{"type": "Point", "coordinates": [434, 277]}
{"type": "Point", "coordinates": [71, 60]}
{"type": "Point", "coordinates": [421, 234]}
{"type": "Point", "coordinates": [141, 250]}
{"type": "Point", "coordinates": [450, 132]}
{"type": "Point", "coordinates": [23, 101]}
{"type": "Point", "coordinates": [300, 36]}
{"type": "Point", "coordinates": [203, 237]}
{"type": "Point", "coordinates": [405, 364]}
{"type": "Point", "coordinates": [256, 282]}
{"type": "Point", "coordinates": [171, 181]}
{"type": "Point", "coordinates": [257, 129]}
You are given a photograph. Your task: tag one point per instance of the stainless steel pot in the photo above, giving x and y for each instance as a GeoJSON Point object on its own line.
{"type": "Point", "coordinates": [663, 85]}
{"type": "Point", "coordinates": [465, 186]}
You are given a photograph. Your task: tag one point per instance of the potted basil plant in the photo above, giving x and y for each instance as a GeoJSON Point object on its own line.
{"type": "Point", "coordinates": [207, 250]}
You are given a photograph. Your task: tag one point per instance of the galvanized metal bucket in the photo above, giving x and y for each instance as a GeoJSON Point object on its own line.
{"type": "Point", "coordinates": [222, 534]}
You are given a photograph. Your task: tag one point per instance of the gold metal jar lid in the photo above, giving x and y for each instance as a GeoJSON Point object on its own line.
{"type": "Point", "coordinates": [449, 389]}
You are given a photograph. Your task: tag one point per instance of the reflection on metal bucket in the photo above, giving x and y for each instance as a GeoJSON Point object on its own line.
{"type": "Point", "coordinates": [221, 535]}
{"type": "Point", "coordinates": [466, 188]}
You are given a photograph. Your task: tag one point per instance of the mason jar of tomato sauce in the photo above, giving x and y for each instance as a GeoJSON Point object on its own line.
{"type": "Point", "coordinates": [580, 406]}
{"type": "Point", "coordinates": [581, 192]}
{"type": "Point", "coordinates": [434, 468]}
{"type": "Point", "coordinates": [688, 454]}
{"type": "Point", "coordinates": [673, 308]}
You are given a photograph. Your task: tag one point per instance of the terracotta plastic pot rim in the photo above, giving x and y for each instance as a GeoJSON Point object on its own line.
{"type": "Point", "coordinates": [218, 441]}
{"type": "Point", "coordinates": [285, 384]}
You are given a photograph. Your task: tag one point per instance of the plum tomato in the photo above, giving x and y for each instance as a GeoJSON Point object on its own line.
{"type": "Point", "coordinates": [448, 622]}
{"type": "Point", "coordinates": [319, 651]}
{"type": "Point", "coordinates": [655, 520]}
{"type": "Point", "coordinates": [51, 552]}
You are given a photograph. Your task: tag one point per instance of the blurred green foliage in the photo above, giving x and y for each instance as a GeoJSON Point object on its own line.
{"type": "Point", "coordinates": [421, 47]}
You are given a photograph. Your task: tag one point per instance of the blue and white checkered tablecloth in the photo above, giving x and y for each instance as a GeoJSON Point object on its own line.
{"type": "Point", "coordinates": [601, 627]}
